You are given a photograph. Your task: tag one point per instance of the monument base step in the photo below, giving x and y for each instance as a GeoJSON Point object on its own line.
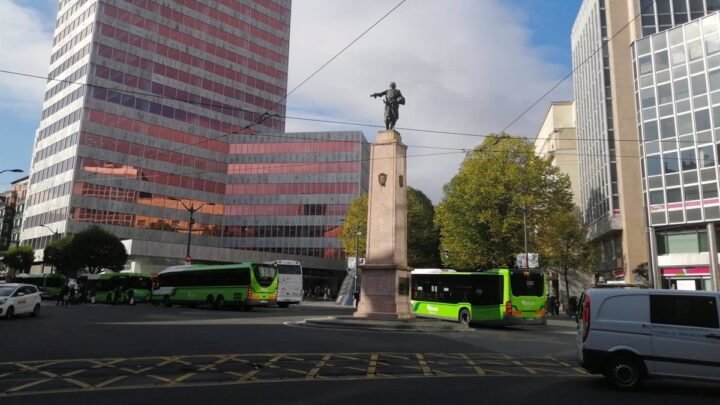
{"type": "Point", "coordinates": [397, 325]}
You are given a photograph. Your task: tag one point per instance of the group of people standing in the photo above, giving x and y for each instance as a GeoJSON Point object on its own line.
{"type": "Point", "coordinates": [79, 294]}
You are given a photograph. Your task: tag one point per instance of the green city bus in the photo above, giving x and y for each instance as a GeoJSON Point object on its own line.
{"type": "Point", "coordinates": [245, 285]}
{"type": "Point", "coordinates": [492, 297]}
{"type": "Point", "coordinates": [105, 286]}
{"type": "Point", "coordinates": [48, 284]}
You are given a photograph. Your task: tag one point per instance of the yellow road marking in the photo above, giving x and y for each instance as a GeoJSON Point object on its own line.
{"type": "Point", "coordinates": [320, 364]}
{"type": "Point", "coordinates": [28, 385]}
{"type": "Point", "coordinates": [110, 364]}
{"type": "Point", "coordinates": [372, 365]}
{"type": "Point", "coordinates": [34, 369]}
{"type": "Point", "coordinates": [472, 364]}
{"type": "Point", "coordinates": [394, 356]}
{"type": "Point", "coordinates": [183, 378]}
{"type": "Point", "coordinates": [423, 364]}
{"type": "Point", "coordinates": [77, 382]}
{"type": "Point", "coordinates": [111, 381]}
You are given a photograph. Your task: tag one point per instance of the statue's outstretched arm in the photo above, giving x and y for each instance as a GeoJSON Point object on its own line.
{"type": "Point", "coordinates": [382, 93]}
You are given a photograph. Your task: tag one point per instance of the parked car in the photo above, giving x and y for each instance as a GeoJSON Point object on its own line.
{"type": "Point", "coordinates": [631, 334]}
{"type": "Point", "coordinates": [18, 299]}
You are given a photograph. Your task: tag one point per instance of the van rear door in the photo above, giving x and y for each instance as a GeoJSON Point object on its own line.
{"type": "Point", "coordinates": [685, 335]}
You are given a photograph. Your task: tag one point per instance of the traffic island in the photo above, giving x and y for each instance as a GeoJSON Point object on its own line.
{"type": "Point", "coordinates": [416, 325]}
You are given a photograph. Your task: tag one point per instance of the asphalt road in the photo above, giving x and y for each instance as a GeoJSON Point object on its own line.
{"type": "Point", "coordinates": [143, 354]}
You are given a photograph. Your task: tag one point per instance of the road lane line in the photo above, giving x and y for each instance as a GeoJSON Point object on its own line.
{"type": "Point", "coordinates": [111, 381]}
{"type": "Point", "coordinates": [472, 364]}
{"type": "Point", "coordinates": [28, 385]}
{"type": "Point", "coordinates": [372, 365]}
{"type": "Point", "coordinates": [423, 364]}
{"type": "Point", "coordinates": [320, 364]}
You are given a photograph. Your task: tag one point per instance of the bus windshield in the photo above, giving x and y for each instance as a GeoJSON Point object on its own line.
{"type": "Point", "coordinates": [140, 283]}
{"type": "Point", "coordinates": [526, 284]}
{"type": "Point", "coordinates": [55, 282]}
{"type": "Point", "coordinates": [264, 274]}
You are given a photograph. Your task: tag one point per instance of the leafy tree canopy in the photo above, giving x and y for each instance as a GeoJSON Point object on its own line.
{"type": "Point", "coordinates": [96, 249]}
{"type": "Point", "coordinates": [58, 254]}
{"type": "Point", "coordinates": [19, 258]}
{"type": "Point", "coordinates": [481, 214]}
{"type": "Point", "coordinates": [423, 237]}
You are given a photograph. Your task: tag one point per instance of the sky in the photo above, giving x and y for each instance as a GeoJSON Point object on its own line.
{"type": "Point", "coordinates": [464, 66]}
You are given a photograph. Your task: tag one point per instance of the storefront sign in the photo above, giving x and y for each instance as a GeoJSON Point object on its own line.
{"type": "Point", "coordinates": [685, 271]}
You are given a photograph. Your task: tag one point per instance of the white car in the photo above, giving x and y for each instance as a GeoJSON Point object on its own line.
{"type": "Point", "coordinates": [18, 299]}
{"type": "Point", "coordinates": [631, 334]}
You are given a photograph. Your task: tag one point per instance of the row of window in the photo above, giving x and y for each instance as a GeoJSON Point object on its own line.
{"type": "Point", "coordinates": [673, 13]}
{"type": "Point", "coordinates": [90, 190]}
{"type": "Point", "coordinates": [291, 188]}
{"type": "Point", "coordinates": [74, 24]}
{"type": "Point", "coordinates": [56, 147]}
{"type": "Point", "coordinates": [201, 46]}
{"type": "Point", "coordinates": [174, 93]}
{"type": "Point", "coordinates": [63, 102]}
{"type": "Point", "coordinates": [71, 44]}
{"type": "Point", "coordinates": [214, 30]}
{"type": "Point", "coordinates": [59, 214]}
{"type": "Point", "coordinates": [69, 13]}
{"type": "Point", "coordinates": [272, 231]}
{"type": "Point", "coordinates": [286, 209]}
{"type": "Point", "coordinates": [690, 193]}
{"type": "Point", "coordinates": [233, 73]}
{"type": "Point", "coordinates": [49, 194]}
{"type": "Point", "coordinates": [178, 114]}
{"type": "Point", "coordinates": [81, 53]}
{"type": "Point", "coordinates": [669, 162]}
{"type": "Point", "coordinates": [151, 153]}
{"type": "Point", "coordinates": [305, 146]}
{"type": "Point", "coordinates": [227, 277]}
{"type": "Point", "coordinates": [254, 14]}
{"type": "Point", "coordinates": [52, 171]}
{"type": "Point", "coordinates": [293, 168]}
{"type": "Point", "coordinates": [109, 170]}
{"type": "Point", "coordinates": [68, 81]}
{"type": "Point", "coordinates": [155, 131]}
{"type": "Point", "coordinates": [59, 124]}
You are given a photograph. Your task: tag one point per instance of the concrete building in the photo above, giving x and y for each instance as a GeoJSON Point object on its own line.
{"type": "Point", "coordinates": [556, 140]}
{"type": "Point", "coordinates": [608, 139]}
{"type": "Point", "coordinates": [178, 95]}
{"type": "Point", "coordinates": [678, 89]}
{"type": "Point", "coordinates": [18, 190]}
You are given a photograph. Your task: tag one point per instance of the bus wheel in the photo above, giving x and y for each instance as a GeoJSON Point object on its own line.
{"type": "Point", "coordinates": [220, 302]}
{"type": "Point", "coordinates": [283, 304]}
{"type": "Point", "coordinates": [166, 301]}
{"type": "Point", "coordinates": [464, 317]}
{"type": "Point", "coordinates": [210, 302]}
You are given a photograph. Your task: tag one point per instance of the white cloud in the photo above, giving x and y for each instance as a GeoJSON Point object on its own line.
{"type": "Point", "coordinates": [463, 66]}
{"type": "Point", "coordinates": [25, 43]}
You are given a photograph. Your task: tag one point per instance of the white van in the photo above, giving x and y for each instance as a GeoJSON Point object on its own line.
{"type": "Point", "coordinates": [628, 334]}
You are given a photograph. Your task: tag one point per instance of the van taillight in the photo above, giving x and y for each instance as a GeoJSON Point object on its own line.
{"type": "Point", "coordinates": [250, 293]}
{"type": "Point", "coordinates": [586, 317]}
{"type": "Point", "coordinates": [508, 308]}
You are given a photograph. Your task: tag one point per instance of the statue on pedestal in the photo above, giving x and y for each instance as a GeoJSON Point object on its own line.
{"type": "Point", "coordinates": [393, 100]}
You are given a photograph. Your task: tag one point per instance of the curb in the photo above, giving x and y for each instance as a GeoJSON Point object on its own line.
{"type": "Point", "coordinates": [415, 325]}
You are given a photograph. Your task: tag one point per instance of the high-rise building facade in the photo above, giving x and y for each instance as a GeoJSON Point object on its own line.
{"type": "Point", "coordinates": [678, 91]}
{"type": "Point", "coordinates": [148, 110]}
{"type": "Point", "coordinates": [608, 139]}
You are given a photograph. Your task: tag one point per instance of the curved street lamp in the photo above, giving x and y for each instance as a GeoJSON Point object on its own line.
{"type": "Point", "coordinates": [11, 171]}
{"type": "Point", "coordinates": [192, 210]}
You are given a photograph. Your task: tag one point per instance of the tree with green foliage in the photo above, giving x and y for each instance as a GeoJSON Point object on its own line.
{"type": "Point", "coordinates": [423, 237]}
{"type": "Point", "coordinates": [563, 246]}
{"type": "Point", "coordinates": [58, 254]}
{"type": "Point", "coordinates": [481, 214]}
{"type": "Point", "coordinates": [355, 222]}
{"type": "Point", "coordinates": [96, 249]}
{"type": "Point", "coordinates": [19, 259]}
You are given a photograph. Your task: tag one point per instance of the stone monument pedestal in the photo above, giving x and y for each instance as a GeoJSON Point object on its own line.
{"type": "Point", "coordinates": [385, 286]}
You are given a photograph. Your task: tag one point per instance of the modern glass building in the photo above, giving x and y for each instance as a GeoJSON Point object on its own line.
{"type": "Point", "coordinates": [608, 141]}
{"type": "Point", "coordinates": [159, 105]}
{"type": "Point", "coordinates": [678, 91]}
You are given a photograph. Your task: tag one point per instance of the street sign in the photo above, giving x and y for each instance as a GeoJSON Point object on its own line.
{"type": "Point", "coordinates": [188, 260]}
{"type": "Point", "coordinates": [533, 261]}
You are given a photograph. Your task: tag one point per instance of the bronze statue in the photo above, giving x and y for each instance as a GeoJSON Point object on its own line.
{"type": "Point", "coordinates": [393, 99]}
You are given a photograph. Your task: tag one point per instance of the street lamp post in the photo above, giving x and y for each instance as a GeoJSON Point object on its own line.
{"type": "Point", "coordinates": [357, 257]}
{"type": "Point", "coordinates": [192, 210]}
{"type": "Point", "coordinates": [55, 234]}
{"type": "Point", "coordinates": [527, 262]}
{"type": "Point", "coordinates": [11, 170]}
